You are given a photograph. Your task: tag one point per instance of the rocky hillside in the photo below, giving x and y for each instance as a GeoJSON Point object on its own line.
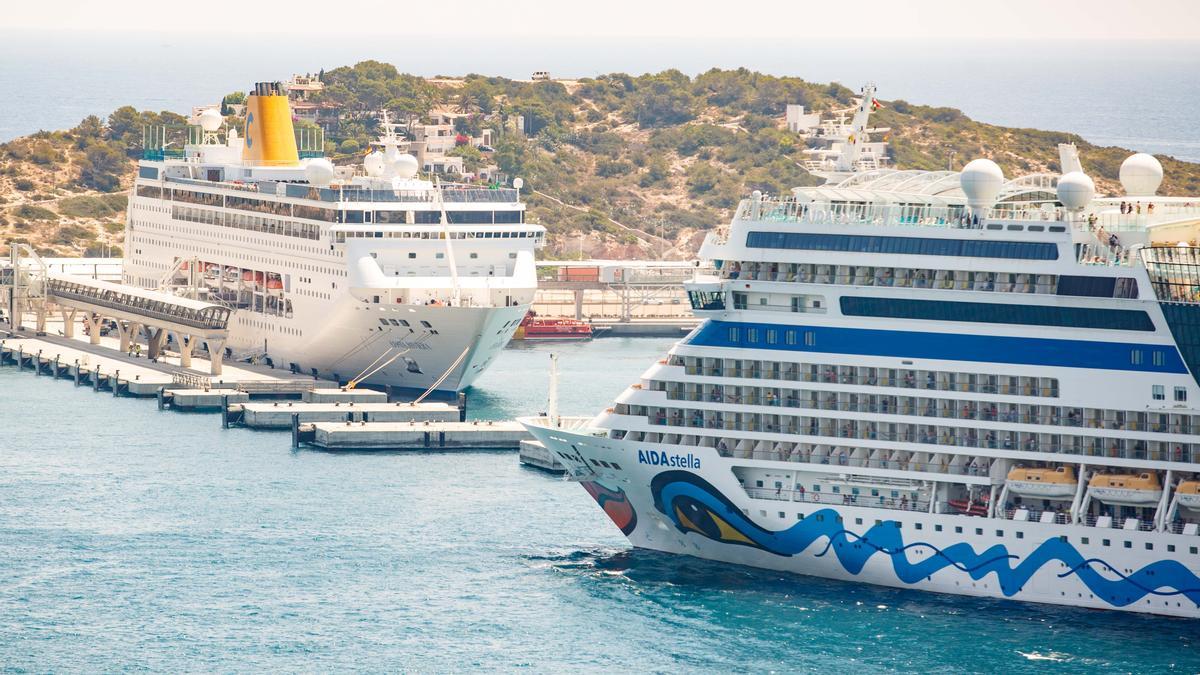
{"type": "Point", "coordinates": [616, 165]}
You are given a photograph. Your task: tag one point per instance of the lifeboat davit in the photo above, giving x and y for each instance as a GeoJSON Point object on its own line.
{"type": "Point", "coordinates": [1188, 494]}
{"type": "Point", "coordinates": [1056, 483]}
{"type": "Point", "coordinates": [1126, 489]}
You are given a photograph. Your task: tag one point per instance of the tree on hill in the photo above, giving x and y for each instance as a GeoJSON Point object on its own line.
{"type": "Point", "coordinates": [232, 99]}
{"type": "Point", "coordinates": [369, 86]}
{"type": "Point", "coordinates": [102, 167]}
{"type": "Point", "coordinates": [661, 100]}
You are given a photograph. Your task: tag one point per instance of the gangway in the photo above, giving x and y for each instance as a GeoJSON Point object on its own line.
{"type": "Point", "coordinates": [31, 286]}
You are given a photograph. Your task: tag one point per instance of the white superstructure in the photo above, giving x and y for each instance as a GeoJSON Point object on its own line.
{"type": "Point", "coordinates": [373, 274]}
{"type": "Point", "coordinates": [954, 383]}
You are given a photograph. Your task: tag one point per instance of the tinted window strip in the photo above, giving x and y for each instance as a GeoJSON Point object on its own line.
{"type": "Point", "coordinates": [853, 243]}
{"type": "Point", "coordinates": [990, 312]}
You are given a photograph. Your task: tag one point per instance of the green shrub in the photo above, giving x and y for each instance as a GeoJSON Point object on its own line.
{"type": "Point", "coordinates": [31, 212]}
{"type": "Point", "coordinates": [73, 235]}
{"type": "Point", "coordinates": [23, 184]}
{"type": "Point", "coordinates": [608, 169]}
{"type": "Point", "coordinates": [88, 206]}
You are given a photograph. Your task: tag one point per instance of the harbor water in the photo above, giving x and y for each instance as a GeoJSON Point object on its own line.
{"type": "Point", "coordinates": [134, 539]}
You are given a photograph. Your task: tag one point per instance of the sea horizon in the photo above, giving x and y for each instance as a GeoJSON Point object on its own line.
{"type": "Point", "coordinates": [1138, 101]}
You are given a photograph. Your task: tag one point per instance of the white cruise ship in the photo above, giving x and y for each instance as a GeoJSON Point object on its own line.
{"type": "Point", "coordinates": [941, 381]}
{"type": "Point", "coordinates": [370, 274]}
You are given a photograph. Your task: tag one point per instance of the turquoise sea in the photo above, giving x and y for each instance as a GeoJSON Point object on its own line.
{"type": "Point", "coordinates": [139, 540]}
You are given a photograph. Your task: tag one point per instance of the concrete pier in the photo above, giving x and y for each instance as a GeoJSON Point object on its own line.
{"type": "Point", "coordinates": [675, 328]}
{"type": "Point", "coordinates": [533, 453]}
{"type": "Point", "coordinates": [278, 414]}
{"type": "Point", "coordinates": [414, 436]}
{"type": "Point", "coordinates": [336, 395]}
{"type": "Point", "coordinates": [106, 369]}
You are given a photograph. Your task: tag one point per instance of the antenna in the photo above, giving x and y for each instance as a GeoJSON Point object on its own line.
{"type": "Point", "coordinates": [552, 408]}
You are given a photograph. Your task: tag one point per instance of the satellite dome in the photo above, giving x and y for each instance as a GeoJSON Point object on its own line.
{"type": "Point", "coordinates": [405, 166]}
{"type": "Point", "coordinates": [319, 171]}
{"type": "Point", "coordinates": [211, 120]}
{"type": "Point", "coordinates": [981, 180]}
{"type": "Point", "coordinates": [1075, 190]}
{"type": "Point", "coordinates": [373, 164]}
{"type": "Point", "coordinates": [1141, 174]}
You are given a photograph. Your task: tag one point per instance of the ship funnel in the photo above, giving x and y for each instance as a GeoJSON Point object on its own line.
{"type": "Point", "coordinates": [270, 139]}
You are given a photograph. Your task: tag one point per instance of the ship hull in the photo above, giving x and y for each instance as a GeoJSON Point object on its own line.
{"type": "Point", "coordinates": [686, 501]}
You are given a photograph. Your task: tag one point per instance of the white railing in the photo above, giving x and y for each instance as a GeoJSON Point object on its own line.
{"type": "Point", "coordinates": [791, 210]}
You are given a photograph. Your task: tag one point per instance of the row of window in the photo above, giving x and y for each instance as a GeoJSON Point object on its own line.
{"type": "Point", "coordinates": [341, 237]}
{"type": "Point", "coordinates": [854, 243]}
{"type": "Point", "coordinates": [244, 221]}
{"type": "Point", "coordinates": [940, 279]}
{"type": "Point", "coordinates": [328, 215]}
{"type": "Point", "coordinates": [902, 432]}
{"type": "Point", "coordinates": [989, 312]}
{"type": "Point", "coordinates": [968, 409]}
{"type": "Point", "coordinates": [986, 383]}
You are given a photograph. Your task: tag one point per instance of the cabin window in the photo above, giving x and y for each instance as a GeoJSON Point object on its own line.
{"type": "Point", "coordinates": [1180, 394]}
{"type": "Point", "coordinates": [1158, 392]}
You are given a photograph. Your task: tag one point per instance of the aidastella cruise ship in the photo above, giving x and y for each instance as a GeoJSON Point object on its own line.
{"type": "Point", "coordinates": [367, 273]}
{"type": "Point", "coordinates": [946, 381]}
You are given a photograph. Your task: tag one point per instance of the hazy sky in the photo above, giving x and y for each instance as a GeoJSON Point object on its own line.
{"type": "Point", "coordinates": [998, 19]}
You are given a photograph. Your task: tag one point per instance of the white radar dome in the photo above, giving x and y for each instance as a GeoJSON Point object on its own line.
{"type": "Point", "coordinates": [405, 166]}
{"type": "Point", "coordinates": [1075, 190]}
{"type": "Point", "coordinates": [211, 120]}
{"type": "Point", "coordinates": [981, 180]}
{"type": "Point", "coordinates": [373, 164]}
{"type": "Point", "coordinates": [319, 171]}
{"type": "Point", "coordinates": [1141, 174]}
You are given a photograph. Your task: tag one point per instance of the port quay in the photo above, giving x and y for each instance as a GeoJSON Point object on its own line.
{"type": "Point", "coordinates": [79, 323]}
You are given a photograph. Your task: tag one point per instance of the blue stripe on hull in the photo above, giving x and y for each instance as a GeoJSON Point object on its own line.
{"type": "Point", "coordinates": [944, 346]}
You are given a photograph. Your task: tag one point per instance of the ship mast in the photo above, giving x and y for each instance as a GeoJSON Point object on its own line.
{"type": "Point", "coordinates": [454, 289]}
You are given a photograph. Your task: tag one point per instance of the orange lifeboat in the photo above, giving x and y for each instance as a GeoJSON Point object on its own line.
{"type": "Point", "coordinates": [1138, 489]}
{"type": "Point", "coordinates": [1056, 483]}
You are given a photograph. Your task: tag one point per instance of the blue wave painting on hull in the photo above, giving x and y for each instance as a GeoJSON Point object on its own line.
{"type": "Point", "coordinates": [696, 506]}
